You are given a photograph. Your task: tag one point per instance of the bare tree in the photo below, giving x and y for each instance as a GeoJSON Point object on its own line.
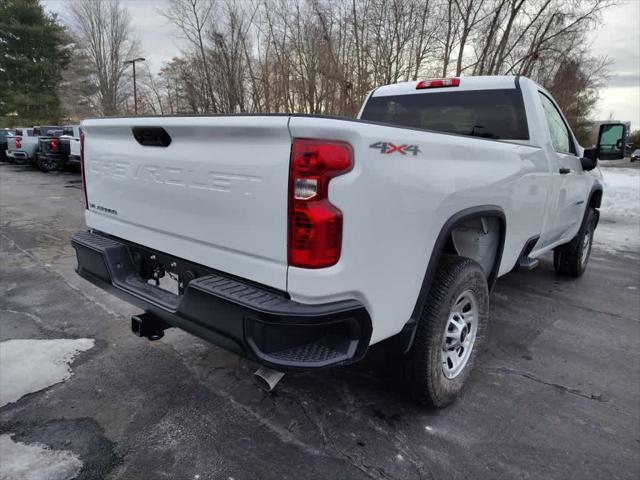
{"type": "Point", "coordinates": [77, 90]}
{"type": "Point", "coordinates": [323, 56]}
{"type": "Point", "coordinates": [104, 34]}
{"type": "Point", "coordinates": [575, 87]}
{"type": "Point", "coordinates": [193, 19]}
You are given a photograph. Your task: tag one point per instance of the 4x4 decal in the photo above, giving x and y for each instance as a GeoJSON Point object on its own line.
{"type": "Point", "coordinates": [388, 147]}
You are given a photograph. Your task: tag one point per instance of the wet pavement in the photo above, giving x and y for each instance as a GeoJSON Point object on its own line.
{"type": "Point", "coordinates": [556, 393]}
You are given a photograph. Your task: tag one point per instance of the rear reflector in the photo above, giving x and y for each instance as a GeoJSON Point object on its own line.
{"type": "Point", "coordinates": [54, 145]}
{"type": "Point", "coordinates": [18, 142]}
{"type": "Point", "coordinates": [315, 225]}
{"type": "Point", "coordinates": [438, 83]}
{"type": "Point", "coordinates": [82, 172]}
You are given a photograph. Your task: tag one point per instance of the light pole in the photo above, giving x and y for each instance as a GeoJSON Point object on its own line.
{"type": "Point", "coordinates": [135, 91]}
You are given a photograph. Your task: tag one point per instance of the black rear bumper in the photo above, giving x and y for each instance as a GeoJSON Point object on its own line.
{"type": "Point", "coordinates": [249, 319]}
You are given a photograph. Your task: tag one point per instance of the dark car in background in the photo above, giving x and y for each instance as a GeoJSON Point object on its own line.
{"type": "Point", "coordinates": [4, 133]}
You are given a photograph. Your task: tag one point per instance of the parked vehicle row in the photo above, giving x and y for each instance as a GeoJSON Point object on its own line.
{"type": "Point", "coordinates": [45, 147]}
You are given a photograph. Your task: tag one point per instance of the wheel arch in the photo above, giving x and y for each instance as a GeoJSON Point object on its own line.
{"type": "Point", "coordinates": [595, 196]}
{"type": "Point", "coordinates": [595, 200]}
{"type": "Point", "coordinates": [404, 339]}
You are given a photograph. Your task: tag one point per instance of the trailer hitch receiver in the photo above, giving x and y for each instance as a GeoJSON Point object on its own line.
{"type": "Point", "coordinates": [148, 325]}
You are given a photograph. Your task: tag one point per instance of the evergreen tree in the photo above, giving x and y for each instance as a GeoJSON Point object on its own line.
{"type": "Point", "coordinates": [32, 56]}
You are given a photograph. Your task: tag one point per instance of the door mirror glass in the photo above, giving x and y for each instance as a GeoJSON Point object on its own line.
{"type": "Point", "coordinates": [611, 141]}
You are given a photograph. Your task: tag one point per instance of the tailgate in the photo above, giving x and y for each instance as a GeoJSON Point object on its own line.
{"type": "Point", "coordinates": [216, 195]}
{"type": "Point", "coordinates": [64, 148]}
{"type": "Point", "coordinates": [44, 145]}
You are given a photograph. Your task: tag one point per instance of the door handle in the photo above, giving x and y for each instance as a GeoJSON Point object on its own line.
{"type": "Point", "coordinates": [564, 171]}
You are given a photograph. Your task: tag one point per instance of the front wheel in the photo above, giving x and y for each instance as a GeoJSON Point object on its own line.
{"type": "Point", "coordinates": [450, 332]}
{"type": "Point", "coordinates": [570, 260]}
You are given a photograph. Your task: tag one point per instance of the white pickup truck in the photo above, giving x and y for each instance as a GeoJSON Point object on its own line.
{"type": "Point", "coordinates": [299, 241]}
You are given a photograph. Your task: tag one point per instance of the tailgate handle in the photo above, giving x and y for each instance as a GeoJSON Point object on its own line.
{"type": "Point", "coordinates": [151, 136]}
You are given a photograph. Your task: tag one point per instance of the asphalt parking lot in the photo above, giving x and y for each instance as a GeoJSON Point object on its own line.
{"type": "Point", "coordinates": [556, 394]}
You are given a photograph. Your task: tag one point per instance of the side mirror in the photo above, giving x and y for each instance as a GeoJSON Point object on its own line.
{"type": "Point", "coordinates": [589, 161]}
{"type": "Point", "coordinates": [611, 141]}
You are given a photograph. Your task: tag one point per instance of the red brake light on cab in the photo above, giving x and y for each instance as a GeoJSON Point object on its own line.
{"type": "Point", "coordinates": [315, 224]}
{"type": "Point", "coordinates": [438, 83]}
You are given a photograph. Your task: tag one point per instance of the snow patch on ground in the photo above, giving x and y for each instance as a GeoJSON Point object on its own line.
{"type": "Point", "coordinates": [619, 227]}
{"type": "Point", "coordinates": [27, 366]}
{"type": "Point", "coordinates": [35, 462]}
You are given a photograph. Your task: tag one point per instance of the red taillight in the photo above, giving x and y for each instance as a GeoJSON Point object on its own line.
{"type": "Point", "coordinates": [438, 83]}
{"type": "Point", "coordinates": [18, 142]}
{"type": "Point", "coordinates": [82, 170]}
{"type": "Point", "coordinates": [315, 225]}
{"type": "Point", "coordinates": [54, 145]}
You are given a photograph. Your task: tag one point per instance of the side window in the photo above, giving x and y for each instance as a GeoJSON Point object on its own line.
{"type": "Point", "coordinates": [560, 137]}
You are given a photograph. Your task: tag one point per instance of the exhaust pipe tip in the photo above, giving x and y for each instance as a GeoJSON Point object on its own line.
{"type": "Point", "coordinates": [267, 379]}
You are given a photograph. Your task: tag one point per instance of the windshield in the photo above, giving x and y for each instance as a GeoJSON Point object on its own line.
{"type": "Point", "coordinates": [497, 114]}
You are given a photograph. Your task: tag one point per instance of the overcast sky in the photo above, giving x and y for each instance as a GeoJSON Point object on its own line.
{"type": "Point", "coordinates": [618, 38]}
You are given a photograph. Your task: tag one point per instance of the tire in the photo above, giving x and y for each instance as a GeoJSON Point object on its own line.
{"type": "Point", "coordinates": [47, 164]}
{"type": "Point", "coordinates": [571, 259]}
{"type": "Point", "coordinates": [428, 373]}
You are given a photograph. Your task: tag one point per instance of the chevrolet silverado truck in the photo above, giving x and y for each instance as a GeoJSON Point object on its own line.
{"type": "Point", "coordinates": [22, 145]}
{"type": "Point", "coordinates": [299, 241]}
{"type": "Point", "coordinates": [59, 148]}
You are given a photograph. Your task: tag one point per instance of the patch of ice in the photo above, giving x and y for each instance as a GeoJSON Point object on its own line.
{"type": "Point", "coordinates": [27, 366]}
{"type": "Point", "coordinates": [35, 462]}
{"type": "Point", "coordinates": [619, 227]}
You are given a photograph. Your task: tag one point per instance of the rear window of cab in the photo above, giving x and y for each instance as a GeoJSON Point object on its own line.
{"type": "Point", "coordinates": [495, 114]}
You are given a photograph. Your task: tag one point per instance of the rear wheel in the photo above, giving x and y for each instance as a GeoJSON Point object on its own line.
{"type": "Point", "coordinates": [47, 163]}
{"type": "Point", "coordinates": [570, 260]}
{"type": "Point", "coordinates": [450, 332]}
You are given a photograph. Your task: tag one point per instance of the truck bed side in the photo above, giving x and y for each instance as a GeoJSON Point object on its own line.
{"type": "Point", "coordinates": [394, 206]}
